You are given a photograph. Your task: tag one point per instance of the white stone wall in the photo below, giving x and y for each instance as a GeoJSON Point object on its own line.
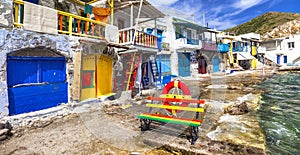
{"type": "Point", "coordinates": [6, 14]}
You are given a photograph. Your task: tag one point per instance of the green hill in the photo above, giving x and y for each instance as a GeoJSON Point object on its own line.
{"type": "Point", "coordinates": [264, 23]}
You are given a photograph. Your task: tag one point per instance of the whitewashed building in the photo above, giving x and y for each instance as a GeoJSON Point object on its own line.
{"type": "Point", "coordinates": [283, 51]}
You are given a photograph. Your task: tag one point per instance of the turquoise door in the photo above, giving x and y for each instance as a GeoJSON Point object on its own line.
{"type": "Point", "coordinates": [184, 64]}
{"type": "Point", "coordinates": [164, 62]}
{"type": "Point", "coordinates": [216, 63]}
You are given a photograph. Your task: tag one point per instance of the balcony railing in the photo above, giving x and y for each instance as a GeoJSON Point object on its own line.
{"type": "Point", "coordinates": [237, 49]}
{"type": "Point", "coordinates": [192, 41]}
{"type": "Point", "coordinates": [223, 48]}
{"type": "Point", "coordinates": [141, 38]}
{"type": "Point", "coordinates": [68, 23]}
{"type": "Point", "coordinates": [209, 46]}
{"type": "Point", "coordinates": [240, 49]}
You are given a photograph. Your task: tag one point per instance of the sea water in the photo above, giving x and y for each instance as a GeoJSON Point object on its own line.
{"type": "Point", "coordinates": [280, 113]}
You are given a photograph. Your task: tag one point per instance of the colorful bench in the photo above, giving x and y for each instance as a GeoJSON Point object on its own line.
{"type": "Point", "coordinates": [172, 111]}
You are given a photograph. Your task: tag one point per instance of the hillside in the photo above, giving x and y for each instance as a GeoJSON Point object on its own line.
{"type": "Point", "coordinates": [270, 25]}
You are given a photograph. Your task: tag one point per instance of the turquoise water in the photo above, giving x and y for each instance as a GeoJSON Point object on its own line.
{"type": "Point", "coordinates": [280, 113]}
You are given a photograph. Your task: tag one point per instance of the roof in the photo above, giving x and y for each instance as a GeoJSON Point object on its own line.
{"type": "Point", "coordinates": [185, 23]}
{"type": "Point", "coordinates": [148, 10]}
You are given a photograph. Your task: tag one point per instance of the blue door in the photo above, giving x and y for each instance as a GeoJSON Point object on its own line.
{"type": "Point", "coordinates": [184, 64]}
{"type": "Point", "coordinates": [35, 83]}
{"type": "Point", "coordinates": [216, 63]}
{"type": "Point", "coordinates": [278, 59]}
{"type": "Point", "coordinates": [285, 59]}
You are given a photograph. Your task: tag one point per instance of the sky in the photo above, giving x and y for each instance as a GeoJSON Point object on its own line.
{"type": "Point", "coordinates": [223, 14]}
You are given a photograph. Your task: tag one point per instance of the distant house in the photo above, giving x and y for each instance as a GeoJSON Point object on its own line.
{"type": "Point", "coordinates": [210, 59]}
{"type": "Point", "coordinates": [283, 51]}
{"type": "Point", "coordinates": [138, 67]}
{"type": "Point", "coordinates": [242, 50]}
{"type": "Point", "coordinates": [186, 45]}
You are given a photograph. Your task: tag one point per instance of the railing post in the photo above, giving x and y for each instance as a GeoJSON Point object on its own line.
{"type": "Point", "coordinates": [78, 25]}
{"type": "Point", "coordinates": [70, 25]}
{"type": "Point", "coordinates": [60, 22]}
{"type": "Point", "coordinates": [93, 29]}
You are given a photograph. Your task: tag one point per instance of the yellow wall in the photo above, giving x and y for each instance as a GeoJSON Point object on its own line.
{"type": "Point", "coordinates": [254, 63]}
{"type": "Point", "coordinates": [88, 66]}
{"type": "Point", "coordinates": [104, 75]}
{"type": "Point", "coordinates": [254, 50]}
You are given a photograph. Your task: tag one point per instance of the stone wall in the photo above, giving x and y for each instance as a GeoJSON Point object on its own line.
{"type": "Point", "coordinates": [6, 14]}
{"type": "Point", "coordinates": [17, 39]}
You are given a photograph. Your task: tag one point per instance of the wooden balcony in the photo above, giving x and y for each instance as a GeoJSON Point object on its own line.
{"type": "Point", "coordinates": [141, 38]}
{"type": "Point", "coordinates": [209, 46]}
{"type": "Point", "coordinates": [68, 24]}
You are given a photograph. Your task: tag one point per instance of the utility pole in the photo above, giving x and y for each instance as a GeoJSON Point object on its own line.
{"type": "Point", "coordinates": [203, 19]}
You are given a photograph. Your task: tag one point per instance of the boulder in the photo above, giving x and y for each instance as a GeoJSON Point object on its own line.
{"type": "Point", "coordinates": [5, 129]}
{"type": "Point", "coordinates": [3, 137]}
{"type": "Point", "coordinates": [2, 125]}
{"type": "Point", "coordinates": [239, 109]}
{"type": "Point", "coordinates": [4, 132]}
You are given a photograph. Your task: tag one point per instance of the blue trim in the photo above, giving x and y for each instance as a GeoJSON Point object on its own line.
{"type": "Point", "coordinates": [34, 58]}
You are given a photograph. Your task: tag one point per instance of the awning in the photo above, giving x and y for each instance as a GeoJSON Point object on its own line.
{"type": "Point", "coordinates": [244, 56]}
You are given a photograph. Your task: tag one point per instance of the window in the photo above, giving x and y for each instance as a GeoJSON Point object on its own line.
{"type": "Point", "coordinates": [189, 34]}
{"type": "Point", "coordinates": [179, 32]}
{"type": "Point", "coordinates": [291, 45]}
{"type": "Point", "coordinates": [121, 24]}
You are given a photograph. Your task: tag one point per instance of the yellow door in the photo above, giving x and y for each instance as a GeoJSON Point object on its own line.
{"type": "Point", "coordinates": [254, 50]}
{"type": "Point", "coordinates": [254, 63]}
{"type": "Point", "coordinates": [104, 75]}
{"type": "Point", "coordinates": [88, 77]}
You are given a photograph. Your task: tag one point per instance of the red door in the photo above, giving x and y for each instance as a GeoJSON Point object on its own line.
{"type": "Point", "coordinates": [202, 65]}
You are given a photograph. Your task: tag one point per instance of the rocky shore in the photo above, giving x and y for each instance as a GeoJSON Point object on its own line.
{"type": "Point", "coordinates": [229, 125]}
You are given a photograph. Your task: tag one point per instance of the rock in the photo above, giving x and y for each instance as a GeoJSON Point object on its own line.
{"type": "Point", "coordinates": [2, 125]}
{"type": "Point", "coordinates": [8, 126]}
{"type": "Point", "coordinates": [4, 132]}
{"type": "Point", "coordinates": [237, 109]}
{"type": "Point", "coordinates": [3, 137]}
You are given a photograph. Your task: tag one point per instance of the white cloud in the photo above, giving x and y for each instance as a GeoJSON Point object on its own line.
{"type": "Point", "coordinates": [226, 21]}
{"type": "Point", "coordinates": [221, 25]}
{"type": "Point", "coordinates": [245, 4]}
{"type": "Point", "coordinates": [189, 7]}
{"type": "Point", "coordinates": [162, 2]}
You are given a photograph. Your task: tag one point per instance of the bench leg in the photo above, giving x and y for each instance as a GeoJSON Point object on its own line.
{"type": "Point", "coordinates": [145, 124]}
{"type": "Point", "coordinates": [193, 134]}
